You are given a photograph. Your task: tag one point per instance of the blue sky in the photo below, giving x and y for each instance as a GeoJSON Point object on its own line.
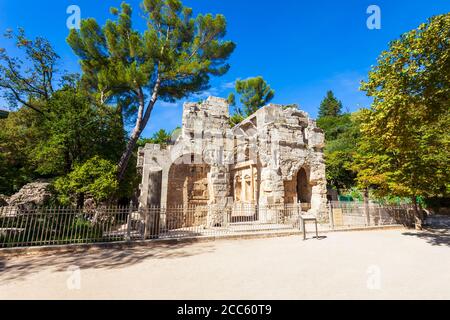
{"type": "Point", "coordinates": [302, 48]}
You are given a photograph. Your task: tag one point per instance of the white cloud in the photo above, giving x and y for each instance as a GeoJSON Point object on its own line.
{"type": "Point", "coordinates": [165, 104]}
{"type": "Point", "coordinates": [228, 85]}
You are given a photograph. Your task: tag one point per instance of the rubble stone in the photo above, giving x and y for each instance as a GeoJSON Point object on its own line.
{"type": "Point", "coordinates": [31, 195]}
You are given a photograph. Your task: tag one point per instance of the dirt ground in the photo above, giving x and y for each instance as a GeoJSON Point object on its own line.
{"type": "Point", "coordinates": [396, 264]}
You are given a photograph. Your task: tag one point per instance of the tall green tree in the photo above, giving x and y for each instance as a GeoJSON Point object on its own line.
{"type": "Point", "coordinates": [76, 130]}
{"type": "Point", "coordinates": [254, 93]}
{"type": "Point", "coordinates": [174, 57]}
{"type": "Point", "coordinates": [405, 144]}
{"type": "Point", "coordinates": [330, 106]}
{"type": "Point", "coordinates": [342, 135]}
{"type": "Point", "coordinates": [56, 126]}
{"type": "Point", "coordinates": [161, 137]}
{"type": "Point", "coordinates": [18, 136]}
{"type": "Point", "coordinates": [28, 81]}
{"type": "Point", "coordinates": [72, 131]}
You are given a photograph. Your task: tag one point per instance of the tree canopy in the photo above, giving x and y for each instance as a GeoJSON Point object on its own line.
{"type": "Point", "coordinates": [161, 137]}
{"type": "Point", "coordinates": [342, 135]}
{"type": "Point", "coordinates": [330, 106]}
{"type": "Point", "coordinates": [29, 81]}
{"type": "Point", "coordinates": [95, 178]}
{"type": "Point", "coordinates": [175, 56]}
{"type": "Point", "coordinates": [405, 144]}
{"type": "Point", "coordinates": [73, 131]}
{"type": "Point", "coordinates": [254, 93]}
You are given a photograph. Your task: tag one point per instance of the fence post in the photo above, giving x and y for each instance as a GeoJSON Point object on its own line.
{"type": "Point", "coordinates": [157, 225]}
{"type": "Point", "coordinates": [130, 216]}
{"type": "Point", "coordinates": [366, 206]}
{"type": "Point", "coordinates": [330, 212]}
{"type": "Point", "coordinates": [146, 223]}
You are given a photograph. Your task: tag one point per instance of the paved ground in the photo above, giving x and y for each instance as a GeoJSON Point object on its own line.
{"type": "Point", "coordinates": [396, 264]}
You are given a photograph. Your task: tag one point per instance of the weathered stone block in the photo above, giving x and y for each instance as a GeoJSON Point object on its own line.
{"type": "Point", "coordinates": [273, 157]}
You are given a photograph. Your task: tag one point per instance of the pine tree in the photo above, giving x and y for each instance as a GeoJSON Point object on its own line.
{"type": "Point", "coordinates": [174, 57]}
{"type": "Point", "coordinates": [330, 106]}
{"type": "Point", "coordinates": [162, 137]}
{"type": "Point", "coordinates": [254, 93]}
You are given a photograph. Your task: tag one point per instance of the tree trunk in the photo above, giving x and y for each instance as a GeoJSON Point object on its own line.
{"type": "Point", "coordinates": [418, 220]}
{"type": "Point", "coordinates": [125, 159]}
{"type": "Point", "coordinates": [141, 123]}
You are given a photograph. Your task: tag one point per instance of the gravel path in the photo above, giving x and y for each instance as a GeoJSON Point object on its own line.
{"type": "Point", "coordinates": [398, 264]}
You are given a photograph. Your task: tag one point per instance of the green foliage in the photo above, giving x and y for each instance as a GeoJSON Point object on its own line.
{"type": "Point", "coordinates": [291, 106]}
{"type": "Point", "coordinates": [342, 134]}
{"type": "Point", "coordinates": [405, 145]}
{"type": "Point", "coordinates": [174, 57]}
{"type": "Point", "coordinates": [254, 93]}
{"type": "Point", "coordinates": [18, 137]}
{"type": "Point", "coordinates": [335, 126]}
{"type": "Point", "coordinates": [95, 178]}
{"type": "Point", "coordinates": [180, 50]}
{"type": "Point", "coordinates": [354, 194]}
{"type": "Point", "coordinates": [236, 118]}
{"type": "Point", "coordinates": [330, 106]}
{"type": "Point", "coordinates": [162, 137]}
{"type": "Point", "coordinates": [72, 131]}
{"type": "Point", "coordinates": [53, 128]}
{"type": "Point", "coordinates": [28, 81]}
{"type": "Point", "coordinates": [77, 130]}
{"type": "Point", "coordinates": [232, 99]}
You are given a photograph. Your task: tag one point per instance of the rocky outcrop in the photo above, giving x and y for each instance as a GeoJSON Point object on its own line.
{"type": "Point", "coordinates": [31, 195]}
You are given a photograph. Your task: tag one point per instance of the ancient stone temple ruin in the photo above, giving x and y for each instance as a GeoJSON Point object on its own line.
{"type": "Point", "coordinates": [273, 158]}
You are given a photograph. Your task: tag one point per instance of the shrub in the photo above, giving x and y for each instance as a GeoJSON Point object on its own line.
{"type": "Point", "coordinates": [95, 178]}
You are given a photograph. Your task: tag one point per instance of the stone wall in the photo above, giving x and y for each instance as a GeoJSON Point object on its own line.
{"type": "Point", "coordinates": [261, 159]}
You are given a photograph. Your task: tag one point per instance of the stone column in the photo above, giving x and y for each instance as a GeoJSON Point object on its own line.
{"type": "Point", "coordinates": [220, 200]}
{"type": "Point", "coordinates": [272, 194]}
{"type": "Point", "coordinates": [319, 192]}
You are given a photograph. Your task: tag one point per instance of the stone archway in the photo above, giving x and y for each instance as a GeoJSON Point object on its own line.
{"type": "Point", "coordinates": [188, 185]}
{"type": "Point", "coordinates": [188, 195]}
{"type": "Point", "coordinates": [299, 188]}
{"type": "Point", "coordinates": [304, 188]}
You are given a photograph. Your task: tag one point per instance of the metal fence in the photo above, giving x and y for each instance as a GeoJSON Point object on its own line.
{"type": "Point", "coordinates": [343, 215]}
{"type": "Point", "coordinates": [60, 226]}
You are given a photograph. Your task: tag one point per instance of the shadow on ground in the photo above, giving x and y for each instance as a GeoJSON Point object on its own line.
{"type": "Point", "coordinates": [16, 268]}
{"type": "Point", "coordinates": [435, 237]}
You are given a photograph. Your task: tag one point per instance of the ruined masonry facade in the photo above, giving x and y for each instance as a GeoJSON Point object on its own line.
{"type": "Point", "coordinates": [275, 157]}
